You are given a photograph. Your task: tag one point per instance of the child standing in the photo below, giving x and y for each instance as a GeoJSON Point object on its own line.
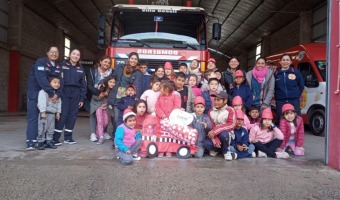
{"type": "Point", "coordinates": [201, 123]}
{"type": "Point", "coordinates": [241, 89]}
{"type": "Point", "coordinates": [151, 95]}
{"type": "Point", "coordinates": [100, 107]}
{"type": "Point", "coordinates": [193, 83]}
{"type": "Point", "coordinates": [169, 71]}
{"type": "Point", "coordinates": [240, 144]}
{"type": "Point", "coordinates": [140, 109]}
{"type": "Point", "coordinates": [49, 112]}
{"type": "Point", "coordinates": [212, 89]}
{"type": "Point", "coordinates": [143, 67]}
{"type": "Point", "coordinates": [293, 130]}
{"type": "Point", "coordinates": [183, 67]}
{"type": "Point", "coordinates": [126, 102]}
{"type": "Point", "coordinates": [266, 137]}
{"type": "Point", "coordinates": [126, 140]}
{"type": "Point", "coordinates": [187, 95]}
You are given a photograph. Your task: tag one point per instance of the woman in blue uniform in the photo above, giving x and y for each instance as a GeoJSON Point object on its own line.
{"type": "Point", "coordinates": [73, 96]}
{"type": "Point", "coordinates": [38, 80]}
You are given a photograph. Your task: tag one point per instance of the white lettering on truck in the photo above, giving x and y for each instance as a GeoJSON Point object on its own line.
{"type": "Point", "coordinates": [157, 51]}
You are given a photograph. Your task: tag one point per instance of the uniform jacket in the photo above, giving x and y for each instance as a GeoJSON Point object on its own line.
{"type": "Point", "coordinates": [265, 136]}
{"type": "Point", "coordinates": [299, 133]}
{"type": "Point", "coordinates": [166, 104]}
{"type": "Point", "coordinates": [289, 84]}
{"type": "Point", "coordinates": [45, 105]}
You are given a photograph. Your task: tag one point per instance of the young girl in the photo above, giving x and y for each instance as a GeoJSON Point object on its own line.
{"type": "Point", "coordinates": [193, 82]}
{"type": "Point", "coordinates": [126, 140]}
{"type": "Point", "coordinates": [151, 95]}
{"type": "Point", "coordinates": [293, 130]}
{"type": "Point", "coordinates": [237, 104]}
{"type": "Point", "coordinates": [100, 107]}
{"type": "Point", "coordinates": [266, 137]}
{"type": "Point", "coordinates": [254, 115]}
{"type": "Point", "coordinates": [169, 71]}
{"type": "Point", "coordinates": [140, 108]}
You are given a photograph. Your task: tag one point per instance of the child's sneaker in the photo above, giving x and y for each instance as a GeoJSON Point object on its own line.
{"type": "Point", "coordinates": [168, 154]}
{"type": "Point", "coordinates": [261, 154]}
{"type": "Point", "coordinates": [107, 136]}
{"type": "Point", "coordinates": [69, 141]}
{"type": "Point", "coordinates": [136, 157]}
{"type": "Point", "coordinates": [253, 155]}
{"type": "Point", "coordinates": [213, 153]}
{"type": "Point", "coordinates": [101, 140]}
{"type": "Point", "coordinates": [30, 146]}
{"type": "Point", "coordinates": [93, 138]}
{"type": "Point", "coordinates": [160, 155]}
{"type": "Point", "coordinates": [283, 155]}
{"type": "Point", "coordinates": [230, 156]}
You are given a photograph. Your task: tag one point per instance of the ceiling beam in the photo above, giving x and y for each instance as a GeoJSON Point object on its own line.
{"type": "Point", "coordinates": [86, 17]}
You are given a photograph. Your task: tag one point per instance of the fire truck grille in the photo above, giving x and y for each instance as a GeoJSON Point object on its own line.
{"type": "Point", "coordinates": [152, 64]}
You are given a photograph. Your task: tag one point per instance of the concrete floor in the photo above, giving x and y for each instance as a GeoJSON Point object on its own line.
{"type": "Point", "coordinates": [89, 171]}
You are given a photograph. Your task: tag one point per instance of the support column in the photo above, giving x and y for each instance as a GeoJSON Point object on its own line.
{"type": "Point", "coordinates": [265, 46]}
{"type": "Point", "coordinates": [244, 60]}
{"type": "Point", "coordinates": [306, 20]}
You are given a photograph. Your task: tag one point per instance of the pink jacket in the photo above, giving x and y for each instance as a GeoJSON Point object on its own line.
{"type": "Point", "coordinates": [265, 136]}
{"type": "Point", "coordinates": [299, 134]}
{"type": "Point", "coordinates": [166, 104]}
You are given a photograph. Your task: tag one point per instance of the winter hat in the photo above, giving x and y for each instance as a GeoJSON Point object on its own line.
{"type": "Point", "coordinates": [267, 114]}
{"type": "Point", "coordinates": [287, 106]}
{"type": "Point", "coordinates": [127, 113]}
{"type": "Point", "coordinates": [212, 60]}
{"type": "Point", "coordinates": [131, 86]}
{"type": "Point", "coordinates": [168, 65]}
{"type": "Point", "coordinates": [237, 100]}
{"type": "Point", "coordinates": [200, 100]}
{"type": "Point", "coordinates": [239, 73]}
{"type": "Point", "coordinates": [239, 114]}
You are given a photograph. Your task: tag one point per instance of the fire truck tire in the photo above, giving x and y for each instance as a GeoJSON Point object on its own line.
{"type": "Point", "coordinates": [183, 152]}
{"type": "Point", "coordinates": [317, 122]}
{"type": "Point", "coordinates": [152, 150]}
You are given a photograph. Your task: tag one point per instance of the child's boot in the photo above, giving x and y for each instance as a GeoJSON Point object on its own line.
{"type": "Point", "coordinates": [41, 146]}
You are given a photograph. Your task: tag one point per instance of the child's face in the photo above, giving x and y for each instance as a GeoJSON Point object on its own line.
{"type": "Point", "coordinates": [213, 86]}
{"type": "Point", "coordinates": [254, 114]}
{"type": "Point", "coordinates": [55, 83]}
{"type": "Point", "coordinates": [143, 68]}
{"type": "Point", "coordinates": [267, 122]}
{"type": "Point", "coordinates": [218, 75]}
{"type": "Point", "coordinates": [164, 91]}
{"type": "Point", "coordinates": [192, 81]}
{"type": "Point", "coordinates": [238, 107]}
{"type": "Point", "coordinates": [156, 86]}
{"type": "Point", "coordinates": [199, 109]}
{"type": "Point", "coordinates": [289, 115]}
{"type": "Point", "coordinates": [111, 83]}
{"type": "Point", "coordinates": [239, 80]}
{"type": "Point", "coordinates": [179, 82]}
{"type": "Point", "coordinates": [141, 108]}
{"type": "Point", "coordinates": [131, 122]}
{"type": "Point", "coordinates": [211, 65]}
{"type": "Point", "coordinates": [212, 75]}
{"type": "Point", "coordinates": [219, 103]}
{"type": "Point", "coordinates": [239, 123]}
{"type": "Point", "coordinates": [130, 91]}
{"type": "Point", "coordinates": [194, 64]}
{"type": "Point", "coordinates": [160, 72]}
{"type": "Point", "coordinates": [168, 72]}
{"type": "Point", "coordinates": [183, 69]}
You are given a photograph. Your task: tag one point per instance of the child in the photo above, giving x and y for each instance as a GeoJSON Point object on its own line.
{"type": "Point", "coordinates": [293, 130]}
{"type": "Point", "coordinates": [209, 100]}
{"type": "Point", "coordinates": [169, 71]}
{"type": "Point", "coordinates": [241, 89]}
{"type": "Point", "coordinates": [193, 82]}
{"type": "Point", "coordinates": [266, 137]}
{"type": "Point", "coordinates": [195, 69]}
{"type": "Point", "coordinates": [151, 95]}
{"type": "Point", "coordinates": [167, 101]}
{"type": "Point", "coordinates": [204, 83]}
{"type": "Point", "coordinates": [100, 107]}
{"type": "Point", "coordinates": [49, 112]}
{"type": "Point", "coordinates": [140, 109]}
{"type": "Point", "coordinates": [183, 67]}
{"type": "Point", "coordinates": [143, 67]}
{"type": "Point", "coordinates": [126, 140]}
{"type": "Point", "coordinates": [223, 118]}
{"type": "Point", "coordinates": [126, 102]}
{"type": "Point", "coordinates": [254, 115]}
{"type": "Point", "coordinates": [240, 144]}
{"type": "Point", "coordinates": [201, 123]}
{"type": "Point", "coordinates": [238, 105]}
{"type": "Point", "coordinates": [211, 66]}
{"type": "Point", "coordinates": [187, 95]}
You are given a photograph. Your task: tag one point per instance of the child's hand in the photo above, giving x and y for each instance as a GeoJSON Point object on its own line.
{"type": "Point", "coordinates": [245, 147]}
{"type": "Point", "coordinates": [43, 115]}
{"type": "Point", "coordinates": [57, 116]}
{"type": "Point", "coordinates": [153, 110]}
{"type": "Point", "coordinates": [217, 145]}
{"type": "Point", "coordinates": [300, 148]}
{"type": "Point", "coordinates": [128, 152]}
{"type": "Point", "coordinates": [211, 134]}
{"type": "Point", "coordinates": [254, 140]}
{"type": "Point", "coordinates": [239, 147]}
{"type": "Point", "coordinates": [204, 124]}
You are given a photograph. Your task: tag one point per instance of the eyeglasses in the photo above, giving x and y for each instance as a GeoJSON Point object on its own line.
{"type": "Point", "coordinates": [54, 52]}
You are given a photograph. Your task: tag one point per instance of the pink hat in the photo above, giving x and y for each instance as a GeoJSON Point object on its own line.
{"type": "Point", "coordinates": [239, 114]}
{"type": "Point", "coordinates": [168, 65]}
{"type": "Point", "coordinates": [212, 60]}
{"type": "Point", "coordinates": [199, 100]}
{"type": "Point", "coordinates": [131, 86]}
{"type": "Point", "coordinates": [287, 106]}
{"type": "Point", "coordinates": [237, 101]}
{"type": "Point", "coordinates": [128, 112]}
{"type": "Point", "coordinates": [267, 114]}
{"type": "Point", "coordinates": [239, 73]}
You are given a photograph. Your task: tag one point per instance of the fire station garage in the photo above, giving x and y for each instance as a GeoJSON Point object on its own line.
{"type": "Point", "coordinates": [210, 33]}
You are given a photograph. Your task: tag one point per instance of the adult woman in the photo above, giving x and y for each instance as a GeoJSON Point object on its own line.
{"type": "Point", "coordinates": [159, 73]}
{"type": "Point", "coordinates": [37, 80]}
{"type": "Point", "coordinates": [97, 74]}
{"type": "Point", "coordinates": [262, 83]}
{"type": "Point", "coordinates": [74, 94]}
{"type": "Point", "coordinates": [289, 86]}
{"type": "Point", "coordinates": [125, 75]}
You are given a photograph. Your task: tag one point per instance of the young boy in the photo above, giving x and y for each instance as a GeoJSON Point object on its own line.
{"type": "Point", "coordinates": [183, 67]}
{"type": "Point", "coordinates": [240, 143]}
{"type": "Point", "coordinates": [126, 140]}
{"type": "Point", "coordinates": [208, 75]}
{"type": "Point", "coordinates": [187, 95]}
{"type": "Point", "coordinates": [242, 89]}
{"type": "Point", "coordinates": [49, 112]}
{"type": "Point", "coordinates": [213, 86]}
{"type": "Point", "coordinates": [254, 116]}
{"type": "Point", "coordinates": [201, 123]}
{"type": "Point", "coordinates": [126, 102]}
{"type": "Point", "coordinates": [223, 118]}
{"type": "Point", "coordinates": [143, 67]}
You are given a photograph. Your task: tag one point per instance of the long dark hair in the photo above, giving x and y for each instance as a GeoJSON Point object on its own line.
{"type": "Point", "coordinates": [106, 83]}
{"type": "Point", "coordinates": [261, 125]}
{"type": "Point", "coordinates": [294, 120]}
{"type": "Point", "coordinates": [134, 109]}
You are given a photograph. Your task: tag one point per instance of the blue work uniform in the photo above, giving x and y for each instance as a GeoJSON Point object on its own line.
{"type": "Point", "coordinates": [74, 92]}
{"type": "Point", "coordinates": [38, 80]}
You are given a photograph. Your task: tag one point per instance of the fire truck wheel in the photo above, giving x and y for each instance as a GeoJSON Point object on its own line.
{"type": "Point", "coordinates": [317, 122]}
{"type": "Point", "coordinates": [183, 152]}
{"type": "Point", "coordinates": [152, 150]}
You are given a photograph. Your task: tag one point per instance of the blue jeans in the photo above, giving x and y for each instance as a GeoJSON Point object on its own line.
{"type": "Point", "coordinates": [243, 154]}
{"type": "Point", "coordinates": [224, 138]}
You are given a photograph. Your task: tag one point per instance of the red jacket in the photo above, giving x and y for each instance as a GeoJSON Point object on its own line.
{"type": "Point", "coordinates": [166, 104]}
{"type": "Point", "coordinates": [299, 133]}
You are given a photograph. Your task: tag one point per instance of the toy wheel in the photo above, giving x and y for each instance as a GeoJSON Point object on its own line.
{"type": "Point", "coordinates": [152, 150]}
{"type": "Point", "coordinates": [183, 152]}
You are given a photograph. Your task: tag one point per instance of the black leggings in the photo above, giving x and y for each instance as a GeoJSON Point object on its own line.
{"type": "Point", "coordinates": [268, 148]}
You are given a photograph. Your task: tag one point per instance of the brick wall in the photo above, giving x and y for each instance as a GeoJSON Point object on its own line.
{"type": "Point", "coordinates": [4, 67]}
